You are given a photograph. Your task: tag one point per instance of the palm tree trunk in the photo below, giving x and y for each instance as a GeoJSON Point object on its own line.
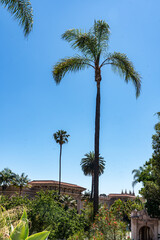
{"type": "Point", "coordinates": [20, 190]}
{"type": "Point", "coordinates": [92, 187]}
{"type": "Point", "coordinates": [96, 146]}
{"type": "Point", "coordinates": [60, 169]}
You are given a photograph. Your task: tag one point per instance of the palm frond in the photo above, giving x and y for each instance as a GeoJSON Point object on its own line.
{"type": "Point", "coordinates": [71, 35]}
{"type": "Point", "coordinates": [61, 137]}
{"type": "Point", "coordinates": [87, 164]}
{"type": "Point", "coordinates": [136, 177]}
{"type": "Point", "coordinates": [71, 64]}
{"type": "Point", "coordinates": [22, 11]}
{"type": "Point", "coordinates": [101, 31]}
{"type": "Point", "coordinates": [85, 42]}
{"type": "Point", "coordinates": [124, 66]}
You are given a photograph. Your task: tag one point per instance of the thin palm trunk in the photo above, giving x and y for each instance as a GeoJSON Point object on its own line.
{"type": "Point", "coordinates": [60, 169]}
{"type": "Point", "coordinates": [20, 190]}
{"type": "Point", "coordinates": [97, 131]}
{"type": "Point", "coordinates": [92, 187]}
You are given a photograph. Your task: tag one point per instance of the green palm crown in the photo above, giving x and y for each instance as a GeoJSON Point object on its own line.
{"type": "Point", "coordinates": [92, 45]}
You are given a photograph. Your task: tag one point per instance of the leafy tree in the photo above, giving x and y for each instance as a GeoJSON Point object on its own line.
{"type": "Point", "coordinates": [46, 213]}
{"type": "Point", "coordinates": [6, 178]}
{"type": "Point", "coordinates": [22, 11]}
{"type": "Point", "coordinates": [61, 137]}
{"type": "Point", "coordinates": [21, 181]}
{"type": "Point", "coordinates": [14, 201]}
{"type": "Point", "coordinates": [106, 226]}
{"type": "Point", "coordinates": [87, 164]}
{"type": "Point", "coordinates": [150, 176]}
{"type": "Point", "coordinates": [93, 45]}
{"type": "Point", "coordinates": [122, 209]}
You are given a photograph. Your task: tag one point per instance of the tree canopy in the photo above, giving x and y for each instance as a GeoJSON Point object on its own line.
{"type": "Point", "coordinates": [149, 176]}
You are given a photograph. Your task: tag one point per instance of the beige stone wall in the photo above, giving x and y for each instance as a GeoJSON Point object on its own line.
{"type": "Point", "coordinates": [140, 220]}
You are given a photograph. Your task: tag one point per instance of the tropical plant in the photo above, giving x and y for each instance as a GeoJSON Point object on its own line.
{"type": "Point", "coordinates": [6, 178]}
{"type": "Point", "coordinates": [137, 175]}
{"type": "Point", "coordinates": [87, 164]}
{"type": "Point", "coordinates": [93, 45]}
{"type": "Point", "coordinates": [61, 137]}
{"type": "Point", "coordinates": [21, 231]}
{"type": "Point", "coordinates": [22, 11]}
{"type": "Point", "coordinates": [68, 202]}
{"type": "Point", "coordinates": [8, 220]}
{"type": "Point", "coordinates": [21, 181]}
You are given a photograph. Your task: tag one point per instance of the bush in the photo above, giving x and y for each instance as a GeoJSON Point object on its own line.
{"type": "Point", "coordinates": [49, 211]}
{"type": "Point", "coordinates": [107, 227]}
{"type": "Point", "coordinates": [46, 213]}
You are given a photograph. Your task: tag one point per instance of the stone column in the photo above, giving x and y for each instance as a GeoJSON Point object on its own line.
{"type": "Point", "coordinates": [134, 228]}
{"type": "Point", "coordinates": [156, 230]}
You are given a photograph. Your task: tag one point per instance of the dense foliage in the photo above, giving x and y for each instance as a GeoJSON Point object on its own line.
{"type": "Point", "coordinates": [122, 209]}
{"type": "Point", "coordinates": [55, 213]}
{"type": "Point", "coordinates": [49, 211]}
{"type": "Point", "coordinates": [105, 226]}
{"type": "Point", "coordinates": [149, 175]}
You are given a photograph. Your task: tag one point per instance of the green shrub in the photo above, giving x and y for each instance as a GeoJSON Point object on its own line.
{"type": "Point", "coordinates": [107, 227]}
{"type": "Point", "coordinates": [47, 213]}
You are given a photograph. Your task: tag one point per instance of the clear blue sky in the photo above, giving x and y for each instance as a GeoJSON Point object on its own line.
{"type": "Point", "coordinates": [32, 107]}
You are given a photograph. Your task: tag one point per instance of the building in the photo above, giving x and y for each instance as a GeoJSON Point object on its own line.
{"type": "Point", "coordinates": [109, 199]}
{"type": "Point", "coordinates": [37, 185]}
{"type": "Point", "coordinates": [144, 227]}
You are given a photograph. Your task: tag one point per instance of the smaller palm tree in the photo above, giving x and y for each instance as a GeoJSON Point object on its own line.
{"type": "Point", "coordinates": [68, 202]}
{"type": "Point", "coordinates": [137, 175]}
{"type": "Point", "coordinates": [6, 178]}
{"type": "Point", "coordinates": [87, 164]}
{"type": "Point", "coordinates": [21, 181]}
{"type": "Point", "coordinates": [61, 137]}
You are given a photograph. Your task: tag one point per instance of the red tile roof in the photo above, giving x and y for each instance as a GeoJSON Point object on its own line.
{"type": "Point", "coordinates": [43, 182]}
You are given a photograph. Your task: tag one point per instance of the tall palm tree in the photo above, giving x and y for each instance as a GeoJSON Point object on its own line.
{"type": "Point", "coordinates": [61, 137]}
{"type": "Point", "coordinates": [6, 178]}
{"type": "Point", "coordinates": [22, 11]}
{"type": "Point", "coordinates": [87, 164]}
{"type": "Point", "coordinates": [93, 45]}
{"type": "Point", "coordinates": [20, 181]}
